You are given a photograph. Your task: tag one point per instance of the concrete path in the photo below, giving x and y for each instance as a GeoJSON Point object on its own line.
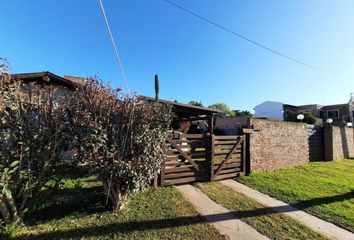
{"type": "Point", "coordinates": [221, 218]}
{"type": "Point", "coordinates": [308, 220]}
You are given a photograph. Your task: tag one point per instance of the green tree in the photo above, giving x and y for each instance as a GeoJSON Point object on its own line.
{"type": "Point", "coordinates": [242, 113]}
{"type": "Point", "coordinates": [196, 103]}
{"type": "Point", "coordinates": [224, 108]}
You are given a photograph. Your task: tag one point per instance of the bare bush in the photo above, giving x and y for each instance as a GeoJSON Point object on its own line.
{"type": "Point", "coordinates": [120, 137]}
{"type": "Point", "coordinates": [33, 136]}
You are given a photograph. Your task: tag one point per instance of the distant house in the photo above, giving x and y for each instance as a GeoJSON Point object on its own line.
{"type": "Point", "coordinates": [231, 125]}
{"type": "Point", "coordinates": [61, 86]}
{"type": "Point", "coordinates": [273, 110]}
{"type": "Point", "coordinates": [342, 114]}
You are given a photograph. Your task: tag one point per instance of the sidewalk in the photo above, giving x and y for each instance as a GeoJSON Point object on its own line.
{"type": "Point", "coordinates": [308, 220]}
{"type": "Point", "coordinates": [222, 219]}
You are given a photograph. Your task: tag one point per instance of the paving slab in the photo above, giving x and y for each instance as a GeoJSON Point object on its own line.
{"type": "Point", "coordinates": [312, 222]}
{"type": "Point", "coordinates": [221, 218]}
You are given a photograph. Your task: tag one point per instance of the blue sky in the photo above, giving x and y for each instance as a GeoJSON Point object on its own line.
{"type": "Point", "coordinates": [194, 60]}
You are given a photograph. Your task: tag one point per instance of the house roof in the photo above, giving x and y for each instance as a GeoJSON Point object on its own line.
{"type": "Point", "coordinates": [46, 77]}
{"type": "Point", "coordinates": [267, 102]}
{"type": "Point", "coordinates": [186, 110]}
{"type": "Point", "coordinates": [334, 106]}
{"type": "Point", "coordinates": [289, 105]}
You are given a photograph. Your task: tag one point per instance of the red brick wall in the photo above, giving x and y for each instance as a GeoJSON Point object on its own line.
{"type": "Point", "coordinates": [339, 143]}
{"type": "Point", "coordinates": [277, 144]}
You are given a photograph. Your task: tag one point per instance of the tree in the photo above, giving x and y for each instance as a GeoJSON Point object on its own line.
{"type": "Point", "coordinates": [308, 117]}
{"type": "Point", "coordinates": [196, 103]}
{"type": "Point", "coordinates": [120, 138]}
{"type": "Point", "coordinates": [224, 108]}
{"type": "Point", "coordinates": [242, 113]}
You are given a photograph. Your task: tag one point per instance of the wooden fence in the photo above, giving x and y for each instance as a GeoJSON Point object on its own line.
{"type": "Point", "coordinates": [198, 157]}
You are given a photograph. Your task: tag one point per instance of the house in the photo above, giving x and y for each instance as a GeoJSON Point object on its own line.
{"type": "Point", "coordinates": [231, 125]}
{"type": "Point", "coordinates": [341, 114]}
{"type": "Point", "coordinates": [274, 110]}
{"type": "Point", "coordinates": [189, 118]}
{"type": "Point", "coordinates": [61, 86]}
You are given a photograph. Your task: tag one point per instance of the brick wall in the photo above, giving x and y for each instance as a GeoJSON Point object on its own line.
{"type": "Point", "coordinates": [316, 143]}
{"type": "Point", "coordinates": [277, 144]}
{"type": "Point", "coordinates": [339, 143]}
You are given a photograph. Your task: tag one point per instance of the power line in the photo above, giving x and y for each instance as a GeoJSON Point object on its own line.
{"type": "Point", "coordinates": [326, 97]}
{"type": "Point", "coordinates": [240, 36]}
{"type": "Point", "coordinates": [114, 45]}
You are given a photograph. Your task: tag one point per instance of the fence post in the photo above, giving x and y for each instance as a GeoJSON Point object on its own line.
{"type": "Point", "coordinates": [247, 165]}
{"type": "Point", "coordinates": [163, 166]}
{"type": "Point", "coordinates": [244, 154]}
{"type": "Point", "coordinates": [156, 182]}
{"type": "Point", "coordinates": [211, 156]}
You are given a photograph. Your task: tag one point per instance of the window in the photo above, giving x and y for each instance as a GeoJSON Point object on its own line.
{"type": "Point", "coordinates": [288, 113]}
{"type": "Point", "coordinates": [321, 113]}
{"type": "Point", "coordinates": [333, 113]}
{"type": "Point", "coordinates": [353, 114]}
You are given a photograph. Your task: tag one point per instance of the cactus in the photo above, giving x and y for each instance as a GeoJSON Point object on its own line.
{"type": "Point", "coordinates": [157, 87]}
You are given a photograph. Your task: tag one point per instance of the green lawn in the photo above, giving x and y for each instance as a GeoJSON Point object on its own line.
{"type": "Point", "coordinates": [324, 189]}
{"type": "Point", "coordinates": [264, 220]}
{"type": "Point", "coordinates": [76, 210]}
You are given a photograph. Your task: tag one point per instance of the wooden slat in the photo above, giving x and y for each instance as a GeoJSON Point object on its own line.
{"type": "Point", "coordinates": [176, 164]}
{"type": "Point", "coordinates": [225, 176]}
{"type": "Point", "coordinates": [222, 158]}
{"type": "Point", "coordinates": [231, 170]}
{"type": "Point", "coordinates": [189, 141]}
{"type": "Point", "coordinates": [189, 159]}
{"type": "Point", "coordinates": [227, 153]}
{"type": "Point", "coordinates": [233, 165]}
{"type": "Point", "coordinates": [230, 146]}
{"type": "Point", "coordinates": [227, 158]}
{"type": "Point", "coordinates": [180, 175]}
{"type": "Point", "coordinates": [231, 161]}
{"type": "Point", "coordinates": [217, 143]}
{"type": "Point", "coordinates": [172, 158]}
{"type": "Point", "coordinates": [197, 136]}
{"type": "Point", "coordinates": [181, 180]}
{"type": "Point", "coordinates": [180, 169]}
{"type": "Point", "coordinates": [228, 137]}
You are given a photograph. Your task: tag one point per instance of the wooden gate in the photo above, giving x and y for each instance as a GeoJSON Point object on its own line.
{"type": "Point", "coordinates": [198, 157]}
{"type": "Point", "coordinates": [228, 157]}
{"type": "Point", "coordinates": [186, 157]}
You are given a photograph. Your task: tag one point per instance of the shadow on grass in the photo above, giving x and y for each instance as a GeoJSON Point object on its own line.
{"type": "Point", "coordinates": [127, 227]}
{"type": "Point", "coordinates": [324, 200]}
{"type": "Point", "coordinates": [68, 201]}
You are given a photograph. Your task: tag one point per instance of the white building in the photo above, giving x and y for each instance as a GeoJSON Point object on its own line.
{"type": "Point", "coordinates": [269, 109]}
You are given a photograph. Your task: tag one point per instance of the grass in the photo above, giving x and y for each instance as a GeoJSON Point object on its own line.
{"type": "Point", "coordinates": [76, 209]}
{"type": "Point", "coordinates": [324, 189]}
{"type": "Point", "coordinates": [264, 220]}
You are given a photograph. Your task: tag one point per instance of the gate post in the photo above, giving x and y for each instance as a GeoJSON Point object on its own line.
{"type": "Point", "coordinates": [247, 153]}
{"type": "Point", "coordinates": [211, 157]}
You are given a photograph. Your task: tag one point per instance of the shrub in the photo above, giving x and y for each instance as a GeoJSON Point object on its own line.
{"type": "Point", "coordinates": [308, 117]}
{"type": "Point", "coordinates": [32, 140]}
{"type": "Point", "coordinates": [118, 136]}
